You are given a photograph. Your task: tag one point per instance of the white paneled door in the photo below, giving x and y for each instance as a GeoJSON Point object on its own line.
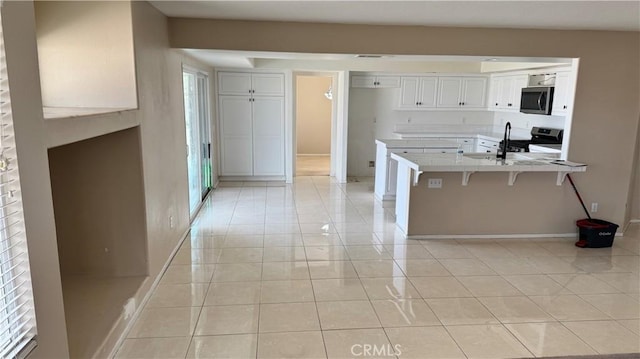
{"type": "Point", "coordinates": [268, 130]}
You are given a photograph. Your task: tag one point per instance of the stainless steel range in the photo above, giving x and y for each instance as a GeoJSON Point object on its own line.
{"type": "Point", "coordinates": [539, 135]}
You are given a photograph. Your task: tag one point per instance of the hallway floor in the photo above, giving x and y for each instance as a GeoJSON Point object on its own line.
{"type": "Point", "coordinates": [316, 270]}
{"type": "Point", "coordinates": [313, 165]}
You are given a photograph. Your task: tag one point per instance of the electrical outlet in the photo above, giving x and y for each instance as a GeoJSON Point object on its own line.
{"type": "Point", "coordinates": [372, 163]}
{"type": "Point", "coordinates": [434, 183]}
{"type": "Point", "coordinates": [171, 224]}
{"type": "Point", "coordinates": [129, 308]}
{"type": "Point", "coordinates": [594, 207]}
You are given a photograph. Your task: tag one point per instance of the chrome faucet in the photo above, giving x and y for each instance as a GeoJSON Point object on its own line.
{"type": "Point", "coordinates": [502, 152]}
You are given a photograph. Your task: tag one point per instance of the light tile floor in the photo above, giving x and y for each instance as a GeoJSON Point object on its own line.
{"type": "Point", "coordinates": [316, 270]}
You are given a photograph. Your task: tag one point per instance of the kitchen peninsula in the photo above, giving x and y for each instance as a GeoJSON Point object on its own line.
{"type": "Point", "coordinates": [447, 195]}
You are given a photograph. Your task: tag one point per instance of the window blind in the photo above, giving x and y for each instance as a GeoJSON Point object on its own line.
{"type": "Point", "coordinates": [17, 313]}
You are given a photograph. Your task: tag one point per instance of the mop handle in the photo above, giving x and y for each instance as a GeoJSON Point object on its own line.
{"type": "Point", "coordinates": [578, 194]}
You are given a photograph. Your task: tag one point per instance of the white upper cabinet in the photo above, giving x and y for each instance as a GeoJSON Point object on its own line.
{"type": "Point", "coordinates": [462, 92]}
{"type": "Point", "coordinates": [418, 92]}
{"type": "Point", "coordinates": [505, 92]}
{"type": "Point", "coordinates": [268, 84]}
{"type": "Point", "coordinates": [562, 93]}
{"type": "Point", "coordinates": [372, 81]}
{"type": "Point", "coordinates": [474, 92]}
{"type": "Point", "coordinates": [449, 92]}
{"type": "Point", "coordinates": [251, 117]}
{"type": "Point", "coordinates": [234, 83]}
{"type": "Point", "coordinates": [240, 83]}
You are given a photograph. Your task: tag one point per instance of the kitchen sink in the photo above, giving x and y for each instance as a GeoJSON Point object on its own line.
{"type": "Point", "coordinates": [480, 156]}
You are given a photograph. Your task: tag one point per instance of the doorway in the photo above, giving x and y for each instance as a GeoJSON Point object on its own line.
{"type": "Point", "coordinates": [198, 132]}
{"type": "Point", "coordinates": [314, 113]}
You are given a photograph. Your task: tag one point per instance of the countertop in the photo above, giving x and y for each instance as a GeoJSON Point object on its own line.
{"type": "Point", "coordinates": [422, 143]}
{"type": "Point", "coordinates": [491, 132]}
{"type": "Point", "coordinates": [515, 162]}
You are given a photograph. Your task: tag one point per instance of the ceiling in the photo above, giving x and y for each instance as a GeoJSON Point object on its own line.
{"type": "Point", "coordinates": [570, 15]}
{"type": "Point", "coordinates": [574, 15]}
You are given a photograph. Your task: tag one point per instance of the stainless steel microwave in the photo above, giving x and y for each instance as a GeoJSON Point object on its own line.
{"type": "Point", "coordinates": [537, 100]}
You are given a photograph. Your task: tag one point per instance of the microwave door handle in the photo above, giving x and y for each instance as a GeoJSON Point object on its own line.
{"type": "Point", "coordinates": [540, 101]}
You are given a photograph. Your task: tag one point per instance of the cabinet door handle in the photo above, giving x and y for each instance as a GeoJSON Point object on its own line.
{"type": "Point", "coordinates": [564, 107]}
{"type": "Point", "coordinates": [496, 104]}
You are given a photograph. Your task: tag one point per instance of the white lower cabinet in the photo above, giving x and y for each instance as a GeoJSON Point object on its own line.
{"type": "Point", "coordinates": [251, 135]}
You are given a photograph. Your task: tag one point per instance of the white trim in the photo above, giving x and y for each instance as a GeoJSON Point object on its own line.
{"type": "Point", "coordinates": [342, 125]}
{"type": "Point", "coordinates": [634, 221]}
{"type": "Point", "coordinates": [145, 299]}
{"type": "Point", "coordinates": [313, 155]}
{"type": "Point", "coordinates": [334, 116]}
{"type": "Point", "coordinates": [147, 296]}
{"type": "Point", "coordinates": [489, 236]}
{"type": "Point", "coordinates": [289, 126]}
{"type": "Point", "coordinates": [252, 178]}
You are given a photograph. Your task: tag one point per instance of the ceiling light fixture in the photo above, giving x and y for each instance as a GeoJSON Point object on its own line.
{"type": "Point", "coordinates": [329, 94]}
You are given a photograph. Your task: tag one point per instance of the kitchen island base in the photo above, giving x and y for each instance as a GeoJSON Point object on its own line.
{"type": "Point", "coordinates": [487, 207]}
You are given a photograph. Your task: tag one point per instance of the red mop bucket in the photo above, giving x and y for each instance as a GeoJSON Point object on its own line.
{"type": "Point", "coordinates": [596, 233]}
{"type": "Point", "coordinates": [593, 233]}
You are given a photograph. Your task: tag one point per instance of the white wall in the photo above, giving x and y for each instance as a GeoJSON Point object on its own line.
{"type": "Point", "coordinates": [372, 115]}
{"type": "Point", "coordinates": [525, 121]}
{"type": "Point", "coordinates": [313, 115]}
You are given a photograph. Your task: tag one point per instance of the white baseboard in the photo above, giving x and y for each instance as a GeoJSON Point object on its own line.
{"type": "Point", "coordinates": [313, 155]}
{"type": "Point", "coordinates": [147, 296]}
{"type": "Point", "coordinates": [251, 178]}
{"type": "Point", "coordinates": [490, 236]}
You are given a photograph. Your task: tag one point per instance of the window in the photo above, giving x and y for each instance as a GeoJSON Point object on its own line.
{"type": "Point", "coordinates": [17, 314]}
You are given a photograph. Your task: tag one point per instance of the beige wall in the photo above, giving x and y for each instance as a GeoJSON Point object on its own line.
{"type": "Point", "coordinates": [604, 121]}
{"type": "Point", "coordinates": [22, 66]}
{"type": "Point", "coordinates": [162, 140]}
{"type": "Point", "coordinates": [86, 54]}
{"type": "Point", "coordinates": [634, 194]}
{"type": "Point", "coordinates": [487, 206]}
{"type": "Point", "coordinates": [313, 115]}
{"type": "Point", "coordinates": [98, 199]}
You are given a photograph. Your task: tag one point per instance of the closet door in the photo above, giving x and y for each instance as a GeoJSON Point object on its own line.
{"type": "Point", "coordinates": [236, 132]}
{"type": "Point", "coordinates": [268, 136]}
